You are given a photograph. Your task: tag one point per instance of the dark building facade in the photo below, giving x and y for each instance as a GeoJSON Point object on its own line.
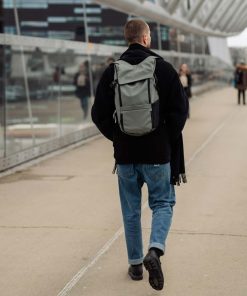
{"type": "Point", "coordinates": [75, 20]}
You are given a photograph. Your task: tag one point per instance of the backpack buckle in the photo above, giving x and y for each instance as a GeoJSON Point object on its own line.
{"type": "Point", "coordinates": [113, 84]}
{"type": "Point", "coordinates": [115, 116]}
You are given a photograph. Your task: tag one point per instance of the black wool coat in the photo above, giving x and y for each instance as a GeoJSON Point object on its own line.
{"type": "Point", "coordinates": [160, 146]}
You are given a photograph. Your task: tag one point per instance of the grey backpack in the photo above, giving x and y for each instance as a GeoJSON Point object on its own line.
{"type": "Point", "coordinates": [136, 97]}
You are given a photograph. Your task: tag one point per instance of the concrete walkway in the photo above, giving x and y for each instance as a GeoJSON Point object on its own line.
{"type": "Point", "coordinates": [61, 226]}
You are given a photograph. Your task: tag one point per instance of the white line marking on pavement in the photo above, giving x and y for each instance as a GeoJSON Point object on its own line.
{"type": "Point", "coordinates": [208, 140]}
{"type": "Point", "coordinates": [111, 241]}
{"type": "Point", "coordinates": [202, 147]}
{"type": "Point", "coordinates": [80, 273]}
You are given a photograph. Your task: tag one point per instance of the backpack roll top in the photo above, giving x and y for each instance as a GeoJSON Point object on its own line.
{"type": "Point", "coordinates": [127, 73]}
{"type": "Point", "coordinates": [136, 97]}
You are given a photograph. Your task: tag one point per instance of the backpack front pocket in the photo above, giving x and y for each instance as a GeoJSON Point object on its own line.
{"type": "Point", "coordinates": [136, 121]}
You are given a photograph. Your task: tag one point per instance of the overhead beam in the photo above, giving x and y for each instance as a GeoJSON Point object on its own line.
{"type": "Point", "coordinates": [224, 14]}
{"type": "Point", "coordinates": [163, 3]}
{"type": "Point", "coordinates": [243, 23]}
{"type": "Point", "coordinates": [157, 14]}
{"type": "Point", "coordinates": [239, 22]}
{"type": "Point", "coordinates": [233, 12]}
{"type": "Point", "coordinates": [195, 10]}
{"type": "Point", "coordinates": [172, 5]}
{"type": "Point", "coordinates": [237, 16]}
{"type": "Point", "coordinates": [159, 2]}
{"type": "Point", "coordinates": [211, 12]}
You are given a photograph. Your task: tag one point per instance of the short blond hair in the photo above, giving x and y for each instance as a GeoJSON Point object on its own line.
{"type": "Point", "coordinates": [134, 30]}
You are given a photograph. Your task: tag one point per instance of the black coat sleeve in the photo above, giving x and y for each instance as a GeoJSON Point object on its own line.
{"type": "Point", "coordinates": [189, 80]}
{"type": "Point", "coordinates": [176, 101]}
{"type": "Point", "coordinates": [175, 108]}
{"type": "Point", "coordinates": [176, 118]}
{"type": "Point", "coordinates": [104, 107]}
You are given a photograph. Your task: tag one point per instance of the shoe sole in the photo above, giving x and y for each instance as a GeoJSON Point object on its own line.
{"type": "Point", "coordinates": [156, 278]}
{"type": "Point", "coordinates": [135, 277]}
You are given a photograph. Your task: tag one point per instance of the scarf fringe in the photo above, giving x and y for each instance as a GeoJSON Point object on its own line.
{"type": "Point", "coordinates": [177, 180]}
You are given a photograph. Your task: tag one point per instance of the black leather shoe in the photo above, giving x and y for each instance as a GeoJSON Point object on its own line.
{"type": "Point", "coordinates": [136, 272]}
{"type": "Point", "coordinates": [153, 266]}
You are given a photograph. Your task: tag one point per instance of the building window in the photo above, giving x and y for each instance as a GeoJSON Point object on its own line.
{"type": "Point", "coordinates": [34, 24]}
{"type": "Point", "coordinates": [31, 4]}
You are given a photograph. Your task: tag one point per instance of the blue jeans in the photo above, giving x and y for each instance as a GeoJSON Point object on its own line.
{"type": "Point", "coordinates": [161, 198]}
{"type": "Point", "coordinates": [84, 105]}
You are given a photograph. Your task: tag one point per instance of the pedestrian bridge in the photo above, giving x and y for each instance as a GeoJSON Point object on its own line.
{"type": "Point", "coordinates": [61, 228]}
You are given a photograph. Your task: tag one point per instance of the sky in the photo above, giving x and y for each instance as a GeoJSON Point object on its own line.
{"type": "Point", "coordinates": [239, 40]}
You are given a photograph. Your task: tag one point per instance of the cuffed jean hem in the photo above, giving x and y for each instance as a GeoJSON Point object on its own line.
{"type": "Point", "coordinates": [158, 246]}
{"type": "Point", "coordinates": [135, 261]}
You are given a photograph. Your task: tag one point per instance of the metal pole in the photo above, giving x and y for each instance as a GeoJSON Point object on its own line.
{"type": "Point", "coordinates": [203, 45]}
{"type": "Point", "coordinates": [59, 103]}
{"type": "Point", "coordinates": [192, 40]}
{"type": "Point", "coordinates": [29, 107]}
{"type": "Point", "coordinates": [178, 46]}
{"type": "Point", "coordinates": [87, 41]}
{"type": "Point", "coordinates": [2, 91]}
{"type": "Point", "coordinates": [3, 102]}
{"type": "Point", "coordinates": [84, 6]}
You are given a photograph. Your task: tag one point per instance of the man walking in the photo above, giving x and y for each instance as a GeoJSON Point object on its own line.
{"type": "Point", "coordinates": [144, 154]}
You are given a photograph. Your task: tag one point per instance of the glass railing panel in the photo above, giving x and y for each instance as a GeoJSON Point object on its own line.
{"type": "Point", "coordinates": [40, 103]}
{"type": "Point", "coordinates": [43, 93]}
{"type": "Point", "coordinates": [2, 103]}
{"type": "Point", "coordinates": [75, 91]}
{"type": "Point", "coordinates": [18, 118]}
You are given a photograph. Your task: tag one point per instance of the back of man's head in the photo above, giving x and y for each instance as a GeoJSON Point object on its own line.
{"type": "Point", "coordinates": [135, 31]}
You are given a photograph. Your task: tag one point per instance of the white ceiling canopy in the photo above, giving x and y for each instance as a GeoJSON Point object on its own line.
{"type": "Point", "coordinates": [219, 18]}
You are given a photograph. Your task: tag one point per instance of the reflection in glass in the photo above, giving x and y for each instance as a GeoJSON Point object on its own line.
{"type": "Point", "coordinates": [109, 28]}
{"type": "Point", "coordinates": [65, 20]}
{"type": "Point", "coordinates": [185, 41]}
{"type": "Point", "coordinates": [75, 91]}
{"type": "Point", "coordinates": [164, 32]}
{"type": "Point", "coordinates": [99, 64]}
{"type": "Point", "coordinates": [154, 34]}
{"type": "Point", "coordinates": [59, 86]}
{"type": "Point", "coordinates": [198, 41]}
{"type": "Point", "coordinates": [173, 42]}
{"type": "Point", "coordinates": [19, 134]}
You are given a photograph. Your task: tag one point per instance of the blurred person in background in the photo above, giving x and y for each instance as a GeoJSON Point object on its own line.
{"type": "Point", "coordinates": [240, 78]}
{"type": "Point", "coordinates": [99, 69]}
{"type": "Point", "coordinates": [186, 81]}
{"type": "Point", "coordinates": [82, 84]}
